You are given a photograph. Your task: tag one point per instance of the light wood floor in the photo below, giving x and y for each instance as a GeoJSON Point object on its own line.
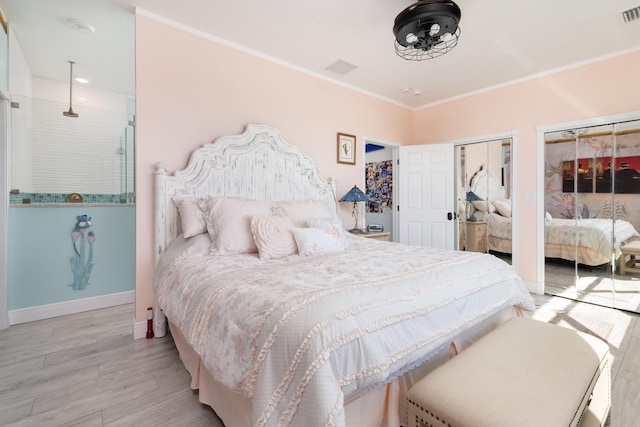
{"type": "Point", "coordinates": [86, 370]}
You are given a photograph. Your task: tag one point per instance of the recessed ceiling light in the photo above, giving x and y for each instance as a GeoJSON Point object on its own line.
{"type": "Point", "coordinates": [81, 80]}
{"type": "Point", "coordinates": [405, 90]}
{"type": "Point", "coordinates": [416, 92]}
{"type": "Point", "coordinates": [81, 26]}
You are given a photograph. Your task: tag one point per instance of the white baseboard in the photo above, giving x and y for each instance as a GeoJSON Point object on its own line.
{"type": "Point", "coordinates": [139, 329]}
{"type": "Point", "coordinates": [533, 288]}
{"type": "Point", "coordinates": [30, 314]}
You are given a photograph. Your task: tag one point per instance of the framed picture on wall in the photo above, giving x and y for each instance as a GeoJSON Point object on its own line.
{"type": "Point", "coordinates": [346, 149]}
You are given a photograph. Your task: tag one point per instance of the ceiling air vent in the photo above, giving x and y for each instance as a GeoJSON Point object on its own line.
{"type": "Point", "coordinates": [631, 15]}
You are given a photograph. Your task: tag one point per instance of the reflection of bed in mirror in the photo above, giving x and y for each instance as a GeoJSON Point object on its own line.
{"type": "Point", "coordinates": [594, 235]}
{"type": "Point", "coordinates": [324, 338]}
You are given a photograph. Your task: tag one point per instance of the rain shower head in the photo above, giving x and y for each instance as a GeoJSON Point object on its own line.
{"type": "Point", "coordinates": [70, 113]}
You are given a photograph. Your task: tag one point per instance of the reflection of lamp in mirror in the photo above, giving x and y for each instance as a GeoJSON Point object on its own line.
{"type": "Point", "coordinates": [70, 113]}
{"type": "Point", "coordinates": [355, 195]}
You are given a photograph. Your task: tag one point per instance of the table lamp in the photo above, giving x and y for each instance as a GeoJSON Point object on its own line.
{"type": "Point", "coordinates": [355, 195]}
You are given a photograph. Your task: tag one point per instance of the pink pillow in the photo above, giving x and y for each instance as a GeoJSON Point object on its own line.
{"type": "Point", "coordinates": [191, 210]}
{"type": "Point", "coordinates": [273, 236]}
{"type": "Point", "coordinates": [229, 224]}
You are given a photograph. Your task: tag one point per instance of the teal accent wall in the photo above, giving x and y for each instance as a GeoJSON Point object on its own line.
{"type": "Point", "coordinates": [40, 247]}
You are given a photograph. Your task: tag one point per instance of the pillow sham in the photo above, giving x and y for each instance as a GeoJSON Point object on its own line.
{"type": "Point", "coordinates": [273, 236]}
{"type": "Point", "coordinates": [503, 207]}
{"type": "Point", "coordinates": [192, 214]}
{"type": "Point", "coordinates": [484, 206]}
{"type": "Point", "coordinates": [316, 241]}
{"type": "Point", "coordinates": [229, 224]}
{"type": "Point", "coordinates": [300, 211]}
{"type": "Point", "coordinates": [331, 225]}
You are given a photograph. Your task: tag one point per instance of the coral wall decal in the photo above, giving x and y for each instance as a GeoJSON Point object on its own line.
{"type": "Point", "coordinates": [81, 269]}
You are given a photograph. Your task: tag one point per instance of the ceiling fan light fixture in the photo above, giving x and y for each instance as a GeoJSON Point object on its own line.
{"type": "Point", "coordinates": [427, 29]}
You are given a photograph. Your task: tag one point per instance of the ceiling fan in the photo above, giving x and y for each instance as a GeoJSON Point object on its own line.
{"type": "Point", "coordinates": [427, 29]}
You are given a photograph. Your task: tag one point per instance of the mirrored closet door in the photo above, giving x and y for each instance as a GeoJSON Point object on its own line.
{"type": "Point", "coordinates": [592, 214]}
{"type": "Point", "coordinates": [484, 197]}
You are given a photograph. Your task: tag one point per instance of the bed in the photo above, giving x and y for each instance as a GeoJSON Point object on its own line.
{"type": "Point", "coordinates": [331, 333]}
{"type": "Point", "coordinates": [589, 241]}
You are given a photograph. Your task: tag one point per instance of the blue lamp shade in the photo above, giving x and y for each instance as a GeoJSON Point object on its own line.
{"type": "Point", "coordinates": [472, 197]}
{"type": "Point", "coordinates": [355, 195]}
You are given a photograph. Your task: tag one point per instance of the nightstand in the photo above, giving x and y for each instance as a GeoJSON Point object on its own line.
{"type": "Point", "coordinates": [383, 235]}
{"type": "Point", "coordinates": [476, 238]}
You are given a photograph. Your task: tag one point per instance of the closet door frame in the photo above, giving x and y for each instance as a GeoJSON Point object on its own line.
{"type": "Point", "coordinates": [513, 135]}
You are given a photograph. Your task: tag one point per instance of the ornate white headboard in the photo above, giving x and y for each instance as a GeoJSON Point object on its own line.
{"type": "Point", "coordinates": [486, 185]}
{"type": "Point", "coordinates": [257, 164]}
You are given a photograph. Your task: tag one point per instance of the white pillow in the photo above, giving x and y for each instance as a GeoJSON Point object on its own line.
{"type": "Point", "coordinates": [299, 212]}
{"type": "Point", "coordinates": [229, 224]}
{"type": "Point", "coordinates": [483, 205]}
{"type": "Point", "coordinates": [192, 214]}
{"type": "Point", "coordinates": [315, 241]}
{"type": "Point", "coordinates": [503, 207]}
{"type": "Point", "coordinates": [547, 216]}
{"type": "Point", "coordinates": [273, 236]}
{"type": "Point", "coordinates": [331, 225]}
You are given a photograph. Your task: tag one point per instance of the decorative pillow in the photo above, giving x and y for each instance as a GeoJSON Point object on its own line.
{"type": "Point", "coordinates": [273, 236]}
{"type": "Point", "coordinates": [316, 241]}
{"type": "Point", "coordinates": [300, 211]}
{"type": "Point", "coordinates": [192, 214]}
{"type": "Point", "coordinates": [484, 206]}
{"type": "Point", "coordinates": [503, 207]}
{"type": "Point", "coordinates": [229, 224]}
{"type": "Point", "coordinates": [331, 225]}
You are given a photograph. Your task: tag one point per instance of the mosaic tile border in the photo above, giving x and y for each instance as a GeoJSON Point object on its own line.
{"type": "Point", "coordinates": [27, 198]}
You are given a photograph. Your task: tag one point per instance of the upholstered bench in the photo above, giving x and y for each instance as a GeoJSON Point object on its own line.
{"type": "Point", "coordinates": [523, 373]}
{"type": "Point", "coordinates": [633, 250]}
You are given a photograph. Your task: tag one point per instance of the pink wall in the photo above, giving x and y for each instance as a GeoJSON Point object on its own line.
{"type": "Point", "coordinates": [595, 90]}
{"type": "Point", "coordinates": [190, 90]}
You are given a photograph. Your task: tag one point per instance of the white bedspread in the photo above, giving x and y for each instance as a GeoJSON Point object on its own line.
{"type": "Point", "coordinates": [300, 336]}
{"type": "Point", "coordinates": [592, 233]}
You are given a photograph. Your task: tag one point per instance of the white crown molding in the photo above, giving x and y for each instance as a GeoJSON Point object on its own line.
{"type": "Point", "coordinates": [204, 35]}
{"type": "Point", "coordinates": [533, 77]}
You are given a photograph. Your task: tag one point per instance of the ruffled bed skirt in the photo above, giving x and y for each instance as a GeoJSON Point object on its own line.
{"type": "Point", "coordinates": [382, 407]}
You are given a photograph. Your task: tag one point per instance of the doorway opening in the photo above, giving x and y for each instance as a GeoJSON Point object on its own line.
{"type": "Point", "coordinates": [380, 161]}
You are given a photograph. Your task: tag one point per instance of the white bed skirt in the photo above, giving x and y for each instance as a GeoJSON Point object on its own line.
{"type": "Point", "coordinates": [382, 407]}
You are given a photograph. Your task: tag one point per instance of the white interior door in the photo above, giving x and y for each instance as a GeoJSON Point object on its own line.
{"type": "Point", "coordinates": [426, 196]}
